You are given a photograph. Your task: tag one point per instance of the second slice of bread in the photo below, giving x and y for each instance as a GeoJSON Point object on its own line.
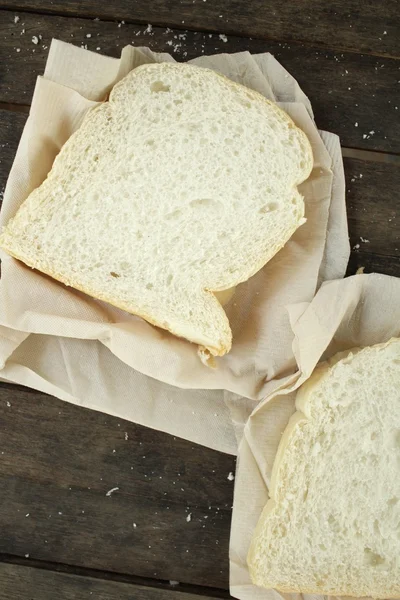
{"type": "Point", "coordinates": [332, 524]}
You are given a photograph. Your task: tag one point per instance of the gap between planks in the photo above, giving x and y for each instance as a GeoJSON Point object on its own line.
{"type": "Point", "coordinates": [134, 581]}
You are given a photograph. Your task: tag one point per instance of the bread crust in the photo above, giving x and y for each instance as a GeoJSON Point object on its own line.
{"type": "Point", "coordinates": [215, 351]}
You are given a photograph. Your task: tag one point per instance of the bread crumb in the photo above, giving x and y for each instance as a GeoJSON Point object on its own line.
{"type": "Point", "coordinates": [16, 19]}
{"type": "Point", "coordinates": [8, 404]}
{"type": "Point", "coordinates": [88, 35]}
{"type": "Point", "coordinates": [134, 525]}
{"type": "Point", "coordinates": [364, 240]}
{"type": "Point", "coordinates": [35, 39]}
{"type": "Point", "coordinates": [189, 518]}
{"type": "Point", "coordinates": [356, 247]}
{"type": "Point", "coordinates": [223, 37]}
{"type": "Point", "coordinates": [112, 491]}
{"type": "Point", "coordinates": [27, 555]}
{"type": "Point", "coordinates": [126, 436]}
{"type": "Point", "coordinates": [173, 582]}
{"type": "Point", "coordinates": [360, 270]}
{"type": "Point", "coordinates": [231, 476]}
{"type": "Point", "coordinates": [149, 28]}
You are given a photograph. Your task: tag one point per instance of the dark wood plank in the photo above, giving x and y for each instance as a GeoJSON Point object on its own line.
{"type": "Point", "coordinates": [355, 96]}
{"type": "Point", "coordinates": [11, 125]}
{"type": "Point", "coordinates": [372, 196]}
{"type": "Point", "coordinates": [373, 207]}
{"type": "Point", "coordinates": [373, 263]}
{"type": "Point", "coordinates": [26, 583]}
{"type": "Point", "coordinates": [366, 25]}
{"type": "Point", "coordinates": [57, 463]}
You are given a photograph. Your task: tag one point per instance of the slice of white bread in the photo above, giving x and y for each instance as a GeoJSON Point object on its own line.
{"type": "Point", "coordinates": [181, 185]}
{"type": "Point", "coordinates": [332, 524]}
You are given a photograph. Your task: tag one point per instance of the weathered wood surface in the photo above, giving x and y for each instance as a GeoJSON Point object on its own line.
{"type": "Point", "coordinates": [373, 206]}
{"type": "Point", "coordinates": [372, 199]}
{"type": "Point", "coordinates": [373, 263]}
{"type": "Point", "coordinates": [20, 582]}
{"type": "Point", "coordinates": [11, 126]}
{"type": "Point", "coordinates": [169, 518]}
{"type": "Point", "coordinates": [360, 25]}
{"type": "Point", "coordinates": [355, 96]}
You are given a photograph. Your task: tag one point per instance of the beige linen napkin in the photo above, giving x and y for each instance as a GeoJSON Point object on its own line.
{"type": "Point", "coordinates": [152, 365]}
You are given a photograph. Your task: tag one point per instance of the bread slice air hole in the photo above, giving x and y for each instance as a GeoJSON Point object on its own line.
{"type": "Point", "coordinates": [268, 208]}
{"type": "Point", "coordinates": [159, 86]}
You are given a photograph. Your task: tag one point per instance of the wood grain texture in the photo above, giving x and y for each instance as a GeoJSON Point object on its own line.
{"type": "Point", "coordinates": [366, 25]}
{"type": "Point", "coordinates": [355, 96]}
{"type": "Point", "coordinates": [19, 582]}
{"type": "Point", "coordinates": [372, 198]}
{"type": "Point", "coordinates": [169, 518]}
{"type": "Point", "coordinates": [373, 207]}
{"type": "Point", "coordinates": [373, 263]}
{"type": "Point", "coordinates": [11, 125]}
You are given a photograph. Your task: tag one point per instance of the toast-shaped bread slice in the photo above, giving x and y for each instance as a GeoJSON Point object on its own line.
{"type": "Point", "coordinates": [181, 185]}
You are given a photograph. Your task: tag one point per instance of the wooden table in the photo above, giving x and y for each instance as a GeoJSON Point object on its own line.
{"type": "Point", "coordinates": [60, 535]}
